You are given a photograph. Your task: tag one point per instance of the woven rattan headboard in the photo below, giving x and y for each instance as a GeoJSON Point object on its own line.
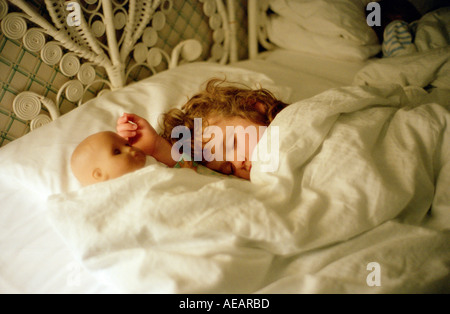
{"type": "Point", "coordinates": [56, 54]}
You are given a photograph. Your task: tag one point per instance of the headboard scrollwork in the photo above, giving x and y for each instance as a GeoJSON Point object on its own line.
{"type": "Point", "coordinates": [257, 33]}
{"type": "Point", "coordinates": [115, 36]}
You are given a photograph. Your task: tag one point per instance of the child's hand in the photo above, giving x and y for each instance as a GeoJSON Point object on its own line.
{"type": "Point", "coordinates": [138, 132]}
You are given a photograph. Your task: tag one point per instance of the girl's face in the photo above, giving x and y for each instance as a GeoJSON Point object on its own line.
{"type": "Point", "coordinates": [231, 142]}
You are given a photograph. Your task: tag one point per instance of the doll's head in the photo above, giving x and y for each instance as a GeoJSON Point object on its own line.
{"type": "Point", "coordinates": [104, 156]}
{"type": "Point", "coordinates": [225, 105]}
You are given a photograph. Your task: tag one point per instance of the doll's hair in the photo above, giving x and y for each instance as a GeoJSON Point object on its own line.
{"type": "Point", "coordinates": [223, 99]}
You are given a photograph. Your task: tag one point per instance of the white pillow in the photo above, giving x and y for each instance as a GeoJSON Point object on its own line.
{"type": "Point", "coordinates": [433, 29]}
{"type": "Point", "coordinates": [425, 6]}
{"type": "Point", "coordinates": [333, 28]}
{"type": "Point", "coordinates": [39, 161]}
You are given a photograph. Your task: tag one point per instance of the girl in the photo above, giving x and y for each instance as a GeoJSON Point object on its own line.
{"type": "Point", "coordinates": [222, 105]}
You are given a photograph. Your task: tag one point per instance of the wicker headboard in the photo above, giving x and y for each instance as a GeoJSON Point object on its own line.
{"type": "Point", "coordinates": [257, 34]}
{"type": "Point", "coordinates": [53, 59]}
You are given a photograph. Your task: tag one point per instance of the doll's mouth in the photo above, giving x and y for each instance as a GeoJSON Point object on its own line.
{"type": "Point", "coordinates": [138, 155]}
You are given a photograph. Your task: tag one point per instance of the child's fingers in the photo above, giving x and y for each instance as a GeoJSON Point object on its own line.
{"type": "Point", "coordinates": [126, 130]}
{"type": "Point", "coordinates": [135, 119]}
{"type": "Point", "coordinates": [123, 118]}
{"type": "Point", "coordinates": [127, 134]}
{"type": "Point", "coordinates": [130, 117]}
{"type": "Point", "coordinates": [126, 127]}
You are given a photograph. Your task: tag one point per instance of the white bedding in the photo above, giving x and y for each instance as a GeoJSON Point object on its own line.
{"type": "Point", "coordinates": [422, 69]}
{"type": "Point", "coordinates": [306, 74]}
{"type": "Point", "coordinates": [355, 167]}
{"type": "Point", "coordinates": [335, 29]}
{"type": "Point", "coordinates": [34, 258]}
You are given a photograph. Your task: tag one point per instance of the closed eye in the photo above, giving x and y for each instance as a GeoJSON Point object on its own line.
{"type": "Point", "coordinates": [227, 168]}
{"type": "Point", "coordinates": [231, 169]}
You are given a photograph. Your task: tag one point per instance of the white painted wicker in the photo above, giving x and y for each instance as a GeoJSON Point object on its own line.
{"type": "Point", "coordinates": [79, 44]}
{"type": "Point", "coordinates": [257, 33]}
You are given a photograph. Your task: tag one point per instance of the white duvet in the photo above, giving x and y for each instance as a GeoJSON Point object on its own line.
{"type": "Point", "coordinates": [358, 173]}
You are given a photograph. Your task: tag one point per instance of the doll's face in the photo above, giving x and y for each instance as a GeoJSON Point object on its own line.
{"type": "Point", "coordinates": [104, 156]}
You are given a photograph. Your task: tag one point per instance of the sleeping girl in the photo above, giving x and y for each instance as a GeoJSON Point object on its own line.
{"type": "Point", "coordinates": [220, 106]}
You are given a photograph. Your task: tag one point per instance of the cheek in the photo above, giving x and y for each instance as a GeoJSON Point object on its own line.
{"type": "Point", "coordinates": [260, 133]}
{"type": "Point", "coordinates": [249, 146]}
{"type": "Point", "coordinates": [246, 143]}
{"type": "Point", "coordinates": [135, 163]}
{"type": "Point", "coordinates": [213, 165]}
{"type": "Point", "coordinates": [126, 165]}
{"type": "Point", "coordinates": [243, 149]}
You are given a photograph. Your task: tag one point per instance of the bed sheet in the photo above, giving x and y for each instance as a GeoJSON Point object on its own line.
{"type": "Point", "coordinates": [306, 74]}
{"type": "Point", "coordinates": [33, 257]}
{"type": "Point", "coordinates": [356, 176]}
{"type": "Point", "coordinates": [46, 265]}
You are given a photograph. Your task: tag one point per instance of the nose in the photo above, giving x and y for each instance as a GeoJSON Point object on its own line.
{"type": "Point", "coordinates": [242, 169]}
{"type": "Point", "coordinates": [247, 165]}
{"type": "Point", "coordinates": [242, 165]}
{"type": "Point", "coordinates": [130, 150]}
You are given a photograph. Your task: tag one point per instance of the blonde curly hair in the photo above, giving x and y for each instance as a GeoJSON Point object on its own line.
{"type": "Point", "coordinates": [222, 99]}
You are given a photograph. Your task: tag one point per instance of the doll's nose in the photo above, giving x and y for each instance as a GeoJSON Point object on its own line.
{"type": "Point", "coordinates": [130, 150]}
{"type": "Point", "coordinates": [133, 152]}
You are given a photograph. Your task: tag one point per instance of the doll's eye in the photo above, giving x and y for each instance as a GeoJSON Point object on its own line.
{"type": "Point", "coordinates": [116, 151]}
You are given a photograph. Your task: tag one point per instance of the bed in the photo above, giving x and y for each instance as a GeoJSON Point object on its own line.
{"type": "Point", "coordinates": [358, 201]}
